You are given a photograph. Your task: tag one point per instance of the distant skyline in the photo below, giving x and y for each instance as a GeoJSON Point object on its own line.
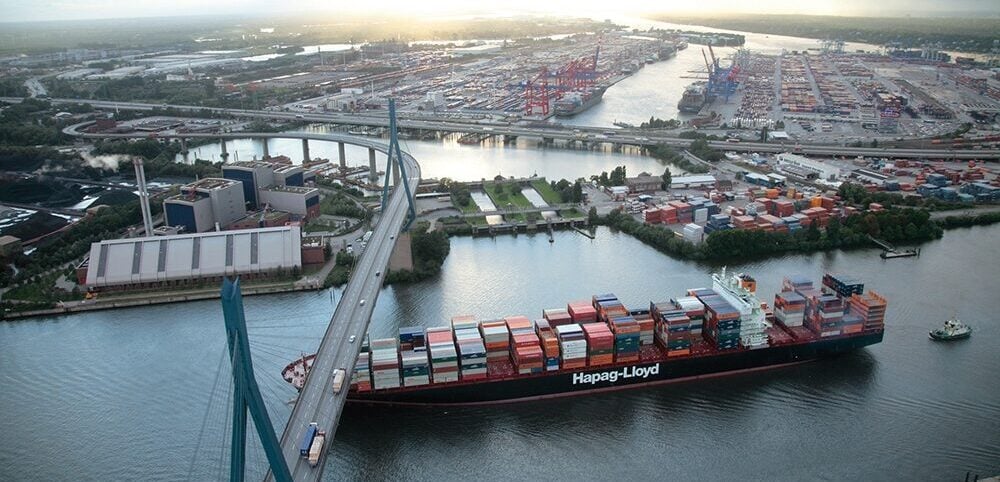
{"type": "Point", "coordinates": [41, 10]}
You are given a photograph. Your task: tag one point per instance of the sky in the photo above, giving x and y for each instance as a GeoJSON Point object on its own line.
{"type": "Point", "coordinates": [34, 10]}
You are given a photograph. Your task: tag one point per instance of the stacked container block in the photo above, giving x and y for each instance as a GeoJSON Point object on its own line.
{"type": "Point", "coordinates": [647, 327]}
{"type": "Point", "coordinates": [385, 363]}
{"type": "Point", "coordinates": [695, 311]}
{"type": "Point", "coordinates": [496, 336]}
{"type": "Point", "coordinates": [361, 378]}
{"type": "Point", "coordinates": [673, 328]}
{"type": "Point", "coordinates": [582, 312]}
{"type": "Point", "coordinates": [789, 308]}
{"type": "Point", "coordinates": [444, 355]}
{"type": "Point", "coordinates": [722, 322]}
{"type": "Point", "coordinates": [471, 349]}
{"type": "Point", "coordinates": [824, 313]}
{"type": "Point", "coordinates": [844, 286]}
{"type": "Point", "coordinates": [626, 331]}
{"type": "Point", "coordinates": [870, 307]}
{"type": "Point", "coordinates": [572, 345]}
{"type": "Point", "coordinates": [415, 367]}
{"type": "Point", "coordinates": [557, 316]}
{"type": "Point", "coordinates": [550, 344]}
{"type": "Point", "coordinates": [600, 344]}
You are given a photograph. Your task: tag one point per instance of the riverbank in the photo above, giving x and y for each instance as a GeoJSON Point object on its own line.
{"type": "Point", "coordinates": [900, 226]}
{"type": "Point", "coordinates": [149, 299]}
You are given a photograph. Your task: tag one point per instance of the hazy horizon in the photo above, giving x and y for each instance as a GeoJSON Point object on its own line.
{"type": "Point", "coordinates": [60, 10]}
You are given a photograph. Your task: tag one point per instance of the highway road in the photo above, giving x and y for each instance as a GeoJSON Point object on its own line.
{"type": "Point", "coordinates": [580, 133]}
{"type": "Point", "coordinates": [317, 402]}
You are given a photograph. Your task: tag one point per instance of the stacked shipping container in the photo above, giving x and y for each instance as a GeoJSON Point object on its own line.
{"type": "Point", "coordinates": [550, 344]}
{"type": "Point", "coordinates": [471, 349]}
{"type": "Point", "coordinates": [572, 345]}
{"type": "Point", "coordinates": [444, 356]}
{"type": "Point", "coordinates": [600, 344]}
{"type": "Point", "coordinates": [385, 363]}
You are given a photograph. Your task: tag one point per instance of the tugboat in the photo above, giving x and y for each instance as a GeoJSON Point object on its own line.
{"type": "Point", "coordinates": [953, 329]}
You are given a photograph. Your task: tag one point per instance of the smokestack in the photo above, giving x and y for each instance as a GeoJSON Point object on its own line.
{"type": "Point", "coordinates": [140, 179]}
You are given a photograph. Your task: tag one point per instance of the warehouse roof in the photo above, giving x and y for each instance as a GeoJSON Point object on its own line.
{"type": "Point", "coordinates": [191, 256]}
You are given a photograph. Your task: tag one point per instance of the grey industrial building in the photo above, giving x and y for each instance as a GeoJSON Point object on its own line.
{"type": "Point", "coordinates": [175, 260]}
{"type": "Point", "coordinates": [204, 203]}
{"type": "Point", "coordinates": [257, 175]}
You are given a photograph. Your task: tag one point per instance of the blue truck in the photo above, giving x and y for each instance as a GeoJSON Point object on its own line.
{"type": "Point", "coordinates": [307, 439]}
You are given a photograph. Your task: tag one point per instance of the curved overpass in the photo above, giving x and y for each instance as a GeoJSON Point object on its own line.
{"type": "Point", "coordinates": [316, 401]}
{"type": "Point", "coordinates": [561, 132]}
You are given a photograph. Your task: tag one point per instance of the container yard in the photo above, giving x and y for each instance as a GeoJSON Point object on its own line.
{"type": "Point", "coordinates": [516, 79]}
{"type": "Point", "coordinates": [602, 343]}
{"type": "Point", "coordinates": [846, 98]}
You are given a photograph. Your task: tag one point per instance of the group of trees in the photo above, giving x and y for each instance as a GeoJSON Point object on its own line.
{"type": "Point", "coordinates": [339, 203]}
{"type": "Point", "coordinates": [429, 252]}
{"type": "Point", "coordinates": [670, 155]}
{"type": "Point", "coordinates": [106, 224]}
{"type": "Point", "coordinates": [902, 225]}
{"type": "Point", "coordinates": [22, 124]}
{"type": "Point", "coordinates": [857, 195]}
{"type": "Point", "coordinates": [568, 192]}
{"type": "Point", "coordinates": [616, 178]}
{"type": "Point", "coordinates": [657, 123]}
{"type": "Point", "coordinates": [700, 148]}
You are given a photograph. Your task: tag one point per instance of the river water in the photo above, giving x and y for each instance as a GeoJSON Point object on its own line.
{"type": "Point", "coordinates": [137, 393]}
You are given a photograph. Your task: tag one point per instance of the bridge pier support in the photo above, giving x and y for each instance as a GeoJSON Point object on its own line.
{"type": "Point", "coordinates": [342, 154]}
{"type": "Point", "coordinates": [184, 146]}
{"type": "Point", "coordinates": [372, 168]}
{"type": "Point", "coordinates": [305, 151]}
{"type": "Point", "coordinates": [508, 139]}
{"type": "Point", "coordinates": [402, 255]}
{"type": "Point", "coordinates": [224, 154]}
{"type": "Point", "coordinates": [267, 155]}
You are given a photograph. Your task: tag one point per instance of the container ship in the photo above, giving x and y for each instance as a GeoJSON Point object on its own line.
{"type": "Point", "coordinates": [694, 98]}
{"type": "Point", "coordinates": [576, 102]}
{"type": "Point", "coordinates": [599, 345]}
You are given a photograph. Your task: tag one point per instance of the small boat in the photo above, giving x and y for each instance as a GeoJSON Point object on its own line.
{"type": "Point", "coordinates": [953, 329]}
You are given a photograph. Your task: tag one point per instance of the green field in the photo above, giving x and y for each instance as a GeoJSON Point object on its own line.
{"type": "Point", "coordinates": [545, 189]}
{"type": "Point", "coordinates": [510, 194]}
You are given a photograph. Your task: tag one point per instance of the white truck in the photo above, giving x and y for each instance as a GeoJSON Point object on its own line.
{"type": "Point", "coordinates": [338, 379]}
{"type": "Point", "coordinates": [317, 448]}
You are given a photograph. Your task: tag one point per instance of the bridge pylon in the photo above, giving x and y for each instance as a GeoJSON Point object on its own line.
{"type": "Point", "coordinates": [395, 158]}
{"type": "Point", "coordinates": [246, 392]}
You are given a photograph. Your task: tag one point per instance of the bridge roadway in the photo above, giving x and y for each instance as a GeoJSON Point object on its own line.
{"type": "Point", "coordinates": [317, 402]}
{"type": "Point", "coordinates": [561, 132]}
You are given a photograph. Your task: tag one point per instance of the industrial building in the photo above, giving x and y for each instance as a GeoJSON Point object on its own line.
{"type": "Point", "coordinates": [204, 204]}
{"type": "Point", "coordinates": [301, 202]}
{"type": "Point", "coordinates": [811, 167]}
{"type": "Point", "coordinates": [257, 175]}
{"type": "Point", "coordinates": [643, 183]}
{"type": "Point", "coordinates": [150, 262]}
{"type": "Point", "coordinates": [690, 182]}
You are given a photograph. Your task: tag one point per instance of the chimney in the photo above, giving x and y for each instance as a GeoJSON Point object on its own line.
{"type": "Point", "coordinates": [140, 179]}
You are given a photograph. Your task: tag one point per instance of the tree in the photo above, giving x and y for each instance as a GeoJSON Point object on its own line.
{"type": "Point", "coordinates": [577, 192]}
{"type": "Point", "coordinates": [666, 179]}
{"type": "Point", "coordinates": [592, 216]}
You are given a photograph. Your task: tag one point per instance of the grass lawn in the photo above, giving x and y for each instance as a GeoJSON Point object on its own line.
{"type": "Point", "coordinates": [545, 189]}
{"type": "Point", "coordinates": [511, 194]}
{"type": "Point", "coordinates": [571, 213]}
{"type": "Point", "coordinates": [470, 208]}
